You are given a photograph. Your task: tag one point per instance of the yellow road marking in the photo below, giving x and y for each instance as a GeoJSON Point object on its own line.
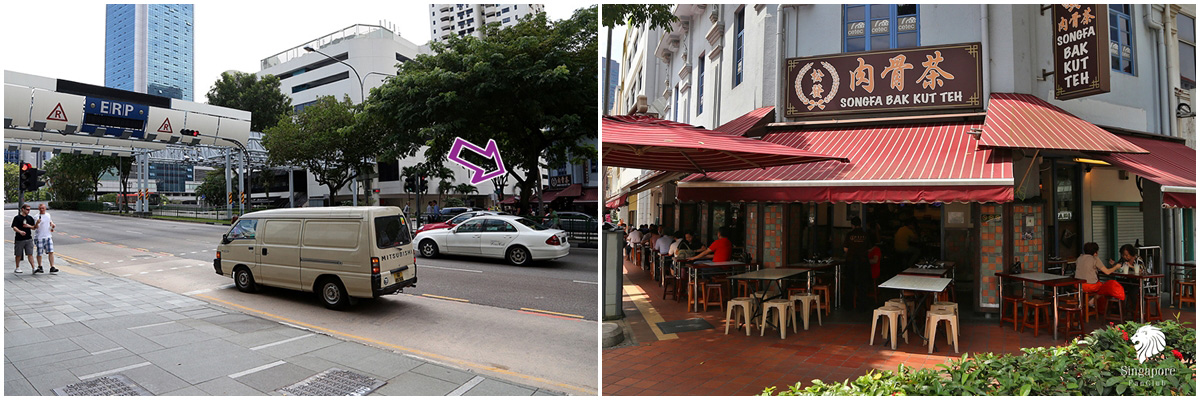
{"type": "Point", "coordinates": [446, 298]}
{"type": "Point", "coordinates": [402, 348]}
{"type": "Point", "coordinates": [551, 312]}
{"type": "Point", "coordinates": [651, 315]}
{"type": "Point", "coordinates": [73, 260]}
{"type": "Point", "coordinates": [141, 249]}
{"type": "Point", "coordinates": [104, 242]}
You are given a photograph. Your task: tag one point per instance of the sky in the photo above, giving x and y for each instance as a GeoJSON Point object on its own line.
{"type": "Point", "coordinates": [65, 39]}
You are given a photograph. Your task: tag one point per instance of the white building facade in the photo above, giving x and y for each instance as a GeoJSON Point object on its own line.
{"type": "Point", "coordinates": [469, 19]}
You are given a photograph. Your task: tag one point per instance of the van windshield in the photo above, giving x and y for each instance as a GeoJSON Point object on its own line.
{"type": "Point", "coordinates": [391, 231]}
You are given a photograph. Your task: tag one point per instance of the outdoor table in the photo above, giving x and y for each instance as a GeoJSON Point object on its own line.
{"type": "Point", "coordinates": [1056, 266]}
{"type": "Point", "coordinates": [837, 276]}
{"type": "Point", "coordinates": [1180, 272]}
{"type": "Point", "coordinates": [1048, 280]}
{"type": "Point", "coordinates": [708, 267]}
{"type": "Point", "coordinates": [925, 285]}
{"type": "Point", "coordinates": [776, 275]}
{"type": "Point", "coordinates": [1141, 279]}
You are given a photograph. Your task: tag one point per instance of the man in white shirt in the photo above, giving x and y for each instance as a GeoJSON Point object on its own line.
{"type": "Point", "coordinates": [663, 244]}
{"type": "Point", "coordinates": [44, 239]}
{"type": "Point", "coordinates": [635, 236]}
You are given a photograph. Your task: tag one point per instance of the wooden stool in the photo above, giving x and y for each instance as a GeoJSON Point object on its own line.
{"type": "Point", "coordinates": [1153, 313]}
{"type": "Point", "coordinates": [1041, 308]}
{"type": "Point", "coordinates": [1120, 308]}
{"type": "Point", "coordinates": [1017, 302]}
{"type": "Point", "coordinates": [741, 309]}
{"type": "Point", "coordinates": [824, 292]}
{"type": "Point", "coordinates": [746, 286]}
{"type": "Point", "coordinates": [1073, 316]}
{"type": "Point", "coordinates": [725, 287]}
{"type": "Point", "coordinates": [785, 312]}
{"type": "Point", "coordinates": [670, 285]}
{"type": "Point", "coordinates": [708, 300]}
{"type": "Point", "coordinates": [931, 324]}
{"type": "Point", "coordinates": [1186, 293]}
{"type": "Point", "coordinates": [806, 307]}
{"type": "Point", "coordinates": [894, 323]}
{"type": "Point", "coordinates": [1089, 309]}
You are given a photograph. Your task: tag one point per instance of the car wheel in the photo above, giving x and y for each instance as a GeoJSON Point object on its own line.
{"type": "Point", "coordinates": [429, 249]}
{"type": "Point", "coordinates": [518, 256]}
{"type": "Point", "coordinates": [334, 295]}
{"type": "Point", "coordinates": [244, 280]}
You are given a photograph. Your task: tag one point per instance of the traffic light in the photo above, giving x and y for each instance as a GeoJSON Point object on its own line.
{"type": "Point", "coordinates": [30, 178]}
{"type": "Point", "coordinates": [424, 184]}
{"type": "Point", "coordinates": [410, 184]}
{"type": "Point", "coordinates": [189, 132]}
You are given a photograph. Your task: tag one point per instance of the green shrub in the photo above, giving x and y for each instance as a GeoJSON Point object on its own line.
{"type": "Point", "coordinates": [77, 205]}
{"type": "Point", "coordinates": [1102, 364]}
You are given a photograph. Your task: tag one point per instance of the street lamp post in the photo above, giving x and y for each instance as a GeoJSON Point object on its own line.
{"type": "Point", "coordinates": [362, 99]}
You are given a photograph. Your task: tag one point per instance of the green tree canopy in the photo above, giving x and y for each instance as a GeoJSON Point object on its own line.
{"type": "Point", "coordinates": [261, 97]}
{"type": "Point", "coordinates": [74, 177]}
{"type": "Point", "coordinates": [530, 87]}
{"type": "Point", "coordinates": [323, 139]}
{"type": "Point", "coordinates": [213, 187]}
{"type": "Point", "coordinates": [657, 15]}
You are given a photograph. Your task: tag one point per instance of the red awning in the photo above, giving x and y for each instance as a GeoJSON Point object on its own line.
{"type": "Point", "coordinates": [617, 202]}
{"type": "Point", "coordinates": [661, 145]}
{"type": "Point", "coordinates": [1025, 121]}
{"type": "Point", "coordinates": [753, 120]}
{"type": "Point", "coordinates": [1170, 164]}
{"type": "Point", "coordinates": [574, 190]}
{"type": "Point", "coordinates": [935, 162]}
{"type": "Point", "coordinates": [590, 195]}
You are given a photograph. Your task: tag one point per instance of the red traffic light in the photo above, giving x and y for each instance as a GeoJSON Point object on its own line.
{"type": "Point", "coordinates": [189, 132]}
{"type": "Point", "coordinates": [26, 166]}
{"type": "Point", "coordinates": [376, 190]}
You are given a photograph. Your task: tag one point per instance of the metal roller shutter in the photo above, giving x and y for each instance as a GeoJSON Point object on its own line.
{"type": "Point", "coordinates": [1100, 230]}
{"type": "Point", "coordinates": [1129, 226]}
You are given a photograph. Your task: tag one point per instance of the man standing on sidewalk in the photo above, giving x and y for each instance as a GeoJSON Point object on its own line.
{"type": "Point", "coordinates": [22, 224]}
{"type": "Point", "coordinates": [44, 239]}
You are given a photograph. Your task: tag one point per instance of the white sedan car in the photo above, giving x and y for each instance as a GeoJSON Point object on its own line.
{"type": "Point", "coordinates": [516, 239]}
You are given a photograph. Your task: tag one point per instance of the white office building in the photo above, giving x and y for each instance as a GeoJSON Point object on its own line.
{"type": "Point", "coordinates": [374, 52]}
{"type": "Point", "coordinates": [469, 19]}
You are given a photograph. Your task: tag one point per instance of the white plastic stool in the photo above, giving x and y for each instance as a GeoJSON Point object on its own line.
{"type": "Point", "coordinates": [785, 312]}
{"type": "Point", "coordinates": [806, 307]}
{"type": "Point", "coordinates": [931, 324]}
{"type": "Point", "coordinates": [894, 323]}
{"type": "Point", "coordinates": [744, 307]}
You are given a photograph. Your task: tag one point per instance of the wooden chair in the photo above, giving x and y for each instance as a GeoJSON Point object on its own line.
{"type": "Point", "coordinates": [1040, 310]}
{"type": "Point", "coordinates": [1185, 293]}
{"type": "Point", "coordinates": [1014, 303]}
{"type": "Point", "coordinates": [1118, 306]}
{"type": "Point", "coordinates": [1153, 313]}
{"type": "Point", "coordinates": [709, 300]}
{"type": "Point", "coordinates": [1072, 317]}
{"type": "Point", "coordinates": [824, 292]}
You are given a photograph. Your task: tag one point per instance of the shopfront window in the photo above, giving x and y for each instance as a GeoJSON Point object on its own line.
{"type": "Point", "coordinates": [1120, 37]}
{"type": "Point", "coordinates": [880, 27]}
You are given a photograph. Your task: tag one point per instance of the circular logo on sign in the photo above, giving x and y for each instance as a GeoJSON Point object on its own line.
{"type": "Point", "coordinates": [817, 88]}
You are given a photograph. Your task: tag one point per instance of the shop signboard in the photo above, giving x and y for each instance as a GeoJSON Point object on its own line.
{"type": "Point", "coordinates": [896, 80]}
{"type": "Point", "coordinates": [1080, 50]}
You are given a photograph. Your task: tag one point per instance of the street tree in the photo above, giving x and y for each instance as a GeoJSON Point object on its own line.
{"type": "Point", "coordinates": [74, 177]}
{"type": "Point", "coordinates": [444, 188]}
{"type": "Point", "coordinates": [658, 16]}
{"type": "Point", "coordinates": [213, 187]}
{"type": "Point", "coordinates": [245, 91]}
{"type": "Point", "coordinates": [12, 188]}
{"type": "Point", "coordinates": [465, 189]}
{"type": "Point", "coordinates": [324, 139]}
{"type": "Point", "coordinates": [124, 166]}
{"type": "Point", "coordinates": [531, 87]}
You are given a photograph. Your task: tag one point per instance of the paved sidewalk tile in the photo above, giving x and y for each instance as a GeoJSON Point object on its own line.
{"type": "Point", "coordinates": [65, 329]}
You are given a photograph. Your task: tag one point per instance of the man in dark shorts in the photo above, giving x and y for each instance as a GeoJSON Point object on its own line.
{"type": "Point", "coordinates": [22, 225]}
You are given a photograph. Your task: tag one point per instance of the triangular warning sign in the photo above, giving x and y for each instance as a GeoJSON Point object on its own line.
{"type": "Point", "coordinates": [57, 114]}
{"type": "Point", "coordinates": [166, 126]}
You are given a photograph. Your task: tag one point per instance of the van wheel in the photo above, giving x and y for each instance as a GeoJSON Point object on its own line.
{"type": "Point", "coordinates": [333, 294]}
{"type": "Point", "coordinates": [244, 280]}
{"type": "Point", "coordinates": [518, 256]}
{"type": "Point", "coordinates": [429, 249]}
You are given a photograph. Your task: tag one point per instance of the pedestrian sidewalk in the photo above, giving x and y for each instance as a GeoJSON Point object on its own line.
{"type": "Point", "coordinates": [708, 362]}
{"type": "Point", "coordinates": [123, 336]}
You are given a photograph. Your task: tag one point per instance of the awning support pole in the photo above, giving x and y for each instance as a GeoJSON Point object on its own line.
{"type": "Point", "coordinates": [1030, 168]}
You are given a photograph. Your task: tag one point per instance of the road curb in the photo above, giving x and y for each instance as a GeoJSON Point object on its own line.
{"type": "Point", "coordinates": [612, 334]}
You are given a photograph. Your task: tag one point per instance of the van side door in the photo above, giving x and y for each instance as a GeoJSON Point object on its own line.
{"type": "Point", "coordinates": [279, 253]}
{"type": "Point", "coordinates": [335, 247]}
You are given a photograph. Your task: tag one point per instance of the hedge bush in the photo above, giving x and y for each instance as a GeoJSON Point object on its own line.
{"type": "Point", "coordinates": [1104, 363]}
{"type": "Point", "coordinates": [77, 205]}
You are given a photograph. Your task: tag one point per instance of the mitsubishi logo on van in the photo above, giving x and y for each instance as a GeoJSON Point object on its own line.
{"type": "Point", "coordinates": [402, 253]}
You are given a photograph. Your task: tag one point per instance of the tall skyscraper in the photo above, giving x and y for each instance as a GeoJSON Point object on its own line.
{"type": "Point", "coordinates": [469, 19]}
{"type": "Point", "coordinates": [614, 76]}
{"type": "Point", "coordinates": [148, 49]}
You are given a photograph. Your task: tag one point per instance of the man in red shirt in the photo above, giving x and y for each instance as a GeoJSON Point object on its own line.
{"type": "Point", "coordinates": [721, 249]}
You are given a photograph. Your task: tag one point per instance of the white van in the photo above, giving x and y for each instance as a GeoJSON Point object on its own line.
{"type": "Point", "coordinates": [338, 252]}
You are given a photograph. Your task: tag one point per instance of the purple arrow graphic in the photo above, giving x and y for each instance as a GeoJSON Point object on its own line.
{"type": "Point", "coordinates": [479, 174]}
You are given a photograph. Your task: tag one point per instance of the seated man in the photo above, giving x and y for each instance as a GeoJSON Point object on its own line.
{"type": "Point", "coordinates": [721, 249]}
{"type": "Point", "coordinates": [663, 247]}
{"type": "Point", "coordinates": [1085, 268]}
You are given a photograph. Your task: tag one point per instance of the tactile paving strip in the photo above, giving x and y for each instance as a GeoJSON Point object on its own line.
{"type": "Point", "coordinates": [114, 385]}
{"type": "Point", "coordinates": [334, 382]}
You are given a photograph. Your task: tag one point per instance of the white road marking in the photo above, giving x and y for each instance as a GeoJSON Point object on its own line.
{"type": "Point", "coordinates": [143, 273]}
{"type": "Point", "coordinates": [182, 254]}
{"type": "Point", "coordinates": [134, 232]}
{"type": "Point", "coordinates": [466, 386]}
{"type": "Point", "coordinates": [256, 369]}
{"type": "Point", "coordinates": [281, 342]}
{"type": "Point", "coordinates": [113, 371]}
{"type": "Point", "coordinates": [451, 269]}
{"type": "Point", "coordinates": [586, 282]}
{"type": "Point", "coordinates": [106, 262]}
{"type": "Point", "coordinates": [107, 351]}
{"type": "Point", "coordinates": [126, 275]}
{"type": "Point", "coordinates": [147, 326]}
{"type": "Point", "coordinates": [195, 292]}
{"type": "Point", "coordinates": [194, 252]}
{"type": "Point", "coordinates": [120, 260]}
{"type": "Point", "coordinates": [158, 270]}
{"type": "Point", "coordinates": [174, 267]}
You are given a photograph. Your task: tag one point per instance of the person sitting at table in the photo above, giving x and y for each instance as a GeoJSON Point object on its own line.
{"type": "Point", "coordinates": [690, 245]}
{"type": "Point", "coordinates": [650, 237]}
{"type": "Point", "coordinates": [1130, 263]}
{"type": "Point", "coordinates": [721, 249]}
{"type": "Point", "coordinates": [1085, 268]}
{"type": "Point", "coordinates": [663, 244]}
{"type": "Point", "coordinates": [635, 236]}
{"type": "Point", "coordinates": [678, 235]}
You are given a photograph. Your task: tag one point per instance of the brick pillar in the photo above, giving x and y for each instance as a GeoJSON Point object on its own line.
{"type": "Point", "coordinates": [991, 252]}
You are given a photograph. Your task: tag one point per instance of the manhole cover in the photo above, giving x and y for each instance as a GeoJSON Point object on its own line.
{"type": "Point", "coordinates": [334, 382]}
{"type": "Point", "coordinates": [687, 325]}
{"type": "Point", "coordinates": [115, 385]}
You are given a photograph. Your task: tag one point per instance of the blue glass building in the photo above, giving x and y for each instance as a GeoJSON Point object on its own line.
{"type": "Point", "coordinates": [148, 49]}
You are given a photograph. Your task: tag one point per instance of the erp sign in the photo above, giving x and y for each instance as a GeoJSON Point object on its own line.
{"type": "Point", "coordinates": [119, 118]}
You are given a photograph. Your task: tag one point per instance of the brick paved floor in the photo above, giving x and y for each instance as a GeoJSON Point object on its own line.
{"type": "Point", "coordinates": [708, 362]}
